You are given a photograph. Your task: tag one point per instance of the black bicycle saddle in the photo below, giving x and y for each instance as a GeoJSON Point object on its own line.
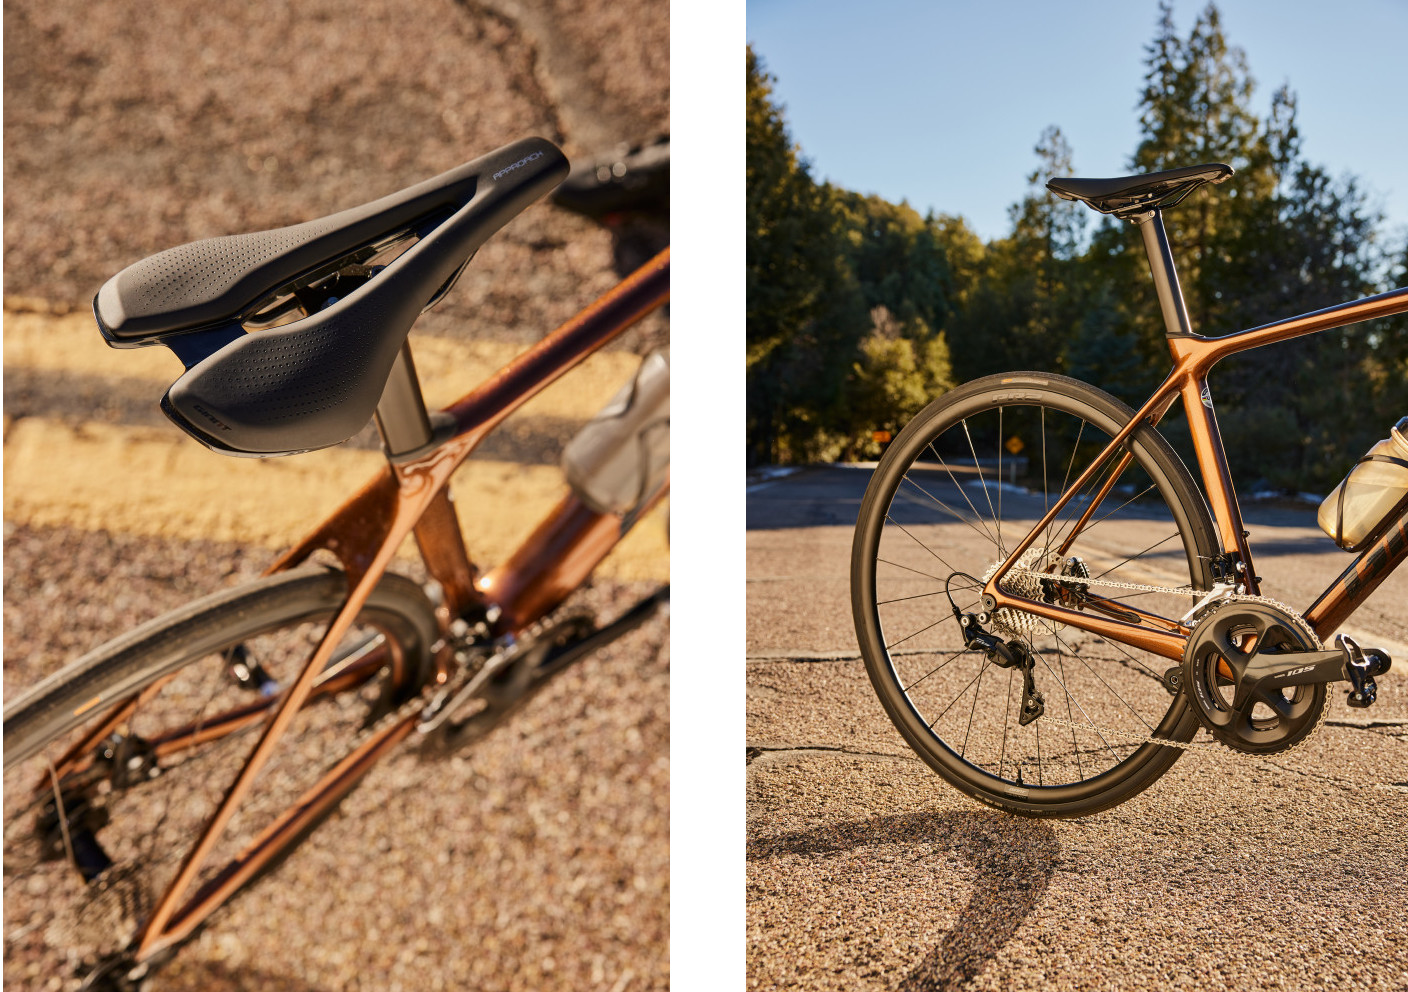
{"type": "Point", "coordinates": [1129, 195]}
{"type": "Point", "coordinates": [314, 382]}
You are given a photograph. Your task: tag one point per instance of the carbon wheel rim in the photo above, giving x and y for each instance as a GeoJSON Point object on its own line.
{"type": "Point", "coordinates": [934, 511]}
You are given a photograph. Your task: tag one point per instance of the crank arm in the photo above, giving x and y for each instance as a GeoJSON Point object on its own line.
{"type": "Point", "coordinates": [598, 639]}
{"type": "Point", "coordinates": [1348, 664]}
{"type": "Point", "coordinates": [1300, 668]}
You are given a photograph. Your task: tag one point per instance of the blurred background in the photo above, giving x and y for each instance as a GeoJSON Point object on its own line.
{"type": "Point", "coordinates": [901, 239]}
{"type": "Point", "coordinates": [541, 859]}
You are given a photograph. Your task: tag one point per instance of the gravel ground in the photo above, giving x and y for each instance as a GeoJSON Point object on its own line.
{"type": "Point", "coordinates": [866, 871]}
{"type": "Point", "coordinates": [862, 874]}
{"type": "Point", "coordinates": [125, 134]}
{"type": "Point", "coordinates": [539, 860]}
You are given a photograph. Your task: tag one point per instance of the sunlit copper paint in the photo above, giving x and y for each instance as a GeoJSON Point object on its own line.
{"type": "Point", "coordinates": [555, 559]}
{"type": "Point", "coordinates": [1193, 357]}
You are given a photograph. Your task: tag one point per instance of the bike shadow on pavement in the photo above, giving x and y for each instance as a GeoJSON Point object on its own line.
{"type": "Point", "coordinates": [1013, 861]}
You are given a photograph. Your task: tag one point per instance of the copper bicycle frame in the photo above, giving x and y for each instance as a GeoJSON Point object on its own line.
{"type": "Point", "coordinates": [1193, 357]}
{"type": "Point", "coordinates": [409, 496]}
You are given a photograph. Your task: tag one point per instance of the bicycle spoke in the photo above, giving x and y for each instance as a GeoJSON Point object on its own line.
{"type": "Point", "coordinates": [1110, 687]}
{"type": "Point", "coordinates": [922, 595]}
{"type": "Point", "coordinates": [1143, 667]}
{"type": "Point", "coordinates": [1077, 507]}
{"type": "Point", "coordinates": [1057, 522]}
{"type": "Point", "coordinates": [1107, 685]}
{"type": "Point", "coordinates": [1070, 717]}
{"type": "Point", "coordinates": [1139, 495]}
{"type": "Point", "coordinates": [999, 477]}
{"type": "Point", "coordinates": [916, 571]}
{"type": "Point", "coordinates": [977, 691]}
{"type": "Point", "coordinates": [1137, 554]}
{"type": "Point", "coordinates": [1067, 691]}
{"type": "Point", "coordinates": [1074, 449]}
{"type": "Point", "coordinates": [931, 551]}
{"type": "Point", "coordinates": [963, 692]}
{"type": "Point", "coordinates": [893, 644]}
{"type": "Point", "coordinates": [1006, 716]}
{"type": "Point", "coordinates": [140, 794]}
{"type": "Point", "coordinates": [1045, 495]}
{"type": "Point", "coordinates": [1040, 778]}
{"type": "Point", "coordinates": [978, 516]}
{"type": "Point", "coordinates": [949, 509]}
{"type": "Point", "coordinates": [1000, 549]}
{"type": "Point", "coordinates": [932, 671]}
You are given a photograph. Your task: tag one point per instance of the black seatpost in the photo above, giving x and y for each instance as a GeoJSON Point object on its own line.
{"type": "Point", "coordinates": [1151, 226]}
{"type": "Point", "coordinates": [401, 415]}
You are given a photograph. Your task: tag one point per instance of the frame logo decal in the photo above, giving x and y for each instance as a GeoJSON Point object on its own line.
{"type": "Point", "coordinates": [517, 165]}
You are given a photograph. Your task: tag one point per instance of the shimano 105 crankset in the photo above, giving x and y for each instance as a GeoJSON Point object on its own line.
{"type": "Point", "coordinates": [1256, 675]}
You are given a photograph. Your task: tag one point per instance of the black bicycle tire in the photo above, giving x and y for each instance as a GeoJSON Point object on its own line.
{"type": "Point", "coordinates": [1148, 763]}
{"type": "Point", "coordinates": [123, 666]}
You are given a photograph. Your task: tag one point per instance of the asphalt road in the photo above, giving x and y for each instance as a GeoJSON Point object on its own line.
{"type": "Point", "coordinates": [865, 870]}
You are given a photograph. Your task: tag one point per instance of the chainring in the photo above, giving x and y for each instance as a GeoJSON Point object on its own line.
{"type": "Point", "coordinates": [1222, 644]}
{"type": "Point", "coordinates": [520, 671]}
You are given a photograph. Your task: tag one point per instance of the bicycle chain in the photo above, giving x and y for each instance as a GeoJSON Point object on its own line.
{"type": "Point", "coordinates": [1215, 746]}
{"type": "Point", "coordinates": [522, 641]}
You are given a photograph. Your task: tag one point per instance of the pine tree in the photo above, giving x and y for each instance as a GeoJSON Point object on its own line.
{"type": "Point", "coordinates": [1195, 109]}
{"type": "Point", "coordinates": [804, 310]}
{"type": "Point", "coordinates": [1026, 296]}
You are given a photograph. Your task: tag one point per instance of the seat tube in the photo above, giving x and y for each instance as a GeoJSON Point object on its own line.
{"type": "Point", "coordinates": [1151, 227]}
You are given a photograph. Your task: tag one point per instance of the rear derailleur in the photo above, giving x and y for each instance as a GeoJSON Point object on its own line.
{"type": "Point", "coordinates": [1006, 654]}
{"type": "Point", "coordinates": [71, 815]}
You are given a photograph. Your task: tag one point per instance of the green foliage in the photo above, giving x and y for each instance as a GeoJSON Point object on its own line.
{"type": "Point", "coordinates": [1105, 351]}
{"type": "Point", "coordinates": [864, 311]}
{"type": "Point", "coordinates": [900, 370]}
{"type": "Point", "coordinates": [1281, 237]}
{"type": "Point", "coordinates": [897, 259]}
{"type": "Point", "coordinates": [1026, 293]}
{"type": "Point", "coordinates": [820, 262]}
{"type": "Point", "coordinates": [803, 304]}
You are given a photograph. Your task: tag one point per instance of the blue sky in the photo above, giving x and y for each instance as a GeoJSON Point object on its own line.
{"type": "Point", "coordinates": [941, 103]}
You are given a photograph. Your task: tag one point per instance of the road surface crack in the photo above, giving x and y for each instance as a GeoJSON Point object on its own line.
{"type": "Point", "coordinates": [754, 750]}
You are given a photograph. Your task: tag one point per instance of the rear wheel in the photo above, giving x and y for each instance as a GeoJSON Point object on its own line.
{"type": "Point", "coordinates": [955, 493]}
{"type": "Point", "coordinates": [114, 764]}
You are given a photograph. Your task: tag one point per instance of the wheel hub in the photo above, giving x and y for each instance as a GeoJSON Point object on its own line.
{"type": "Point", "coordinates": [1026, 579]}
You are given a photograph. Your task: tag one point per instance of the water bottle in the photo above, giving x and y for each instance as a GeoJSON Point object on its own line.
{"type": "Point", "coordinates": [622, 456]}
{"type": "Point", "coordinates": [1371, 494]}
